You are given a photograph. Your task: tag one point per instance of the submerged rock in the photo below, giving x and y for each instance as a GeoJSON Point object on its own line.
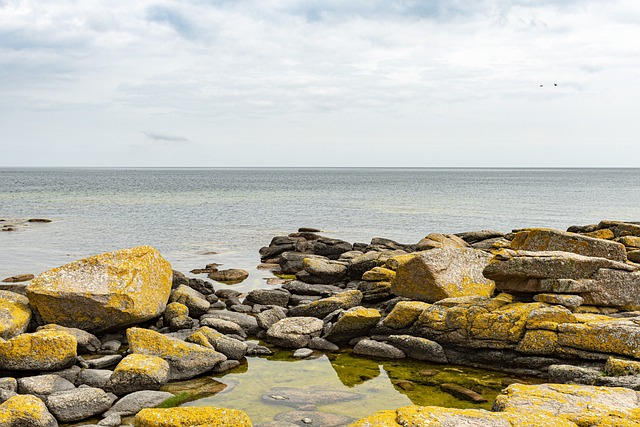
{"type": "Point", "coordinates": [106, 291]}
{"type": "Point", "coordinates": [314, 395]}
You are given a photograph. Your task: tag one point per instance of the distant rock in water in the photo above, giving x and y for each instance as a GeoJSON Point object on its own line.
{"type": "Point", "coordinates": [41, 220]}
{"type": "Point", "coordinates": [233, 276]}
{"type": "Point", "coordinates": [19, 278]}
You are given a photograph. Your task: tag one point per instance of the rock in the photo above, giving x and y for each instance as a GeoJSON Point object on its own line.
{"type": "Point", "coordinates": [103, 361]}
{"type": "Point", "coordinates": [19, 278]}
{"type": "Point", "coordinates": [312, 418]}
{"type": "Point", "coordinates": [576, 403]}
{"type": "Point", "coordinates": [569, 301]}
{"type": "Point", "coordinates": [331, 248]}
{"type": "Point", "coordinates": [185, 360]}
{"type": "Point", "coordinates": [43, 385]}
{"type": "Point", "coordinates": [132, 403]}
{"type": "Point", "coordinates": [232, 348]}
{"type": "Point", "coordinates": [25, 411]}
{"type": "Point", "coordinates": [87, 343]}
{"type": "Point", "coordinates": [602, 335]}
{"type": "Point", "coordinates": [618, 367]}
{"type": "Point", "coordinates": [78, 404]}
{"type": "Point", "coordinates": [139, 372]}
{"type": "Point", "coordinates": [297, 287]}
{"type": "Point", "coordinates": [195, 301]}
{"type": "Point", "coordinates": [224, 326]}
{"type": "Point", "coordinates": [438, 416]}
{"type": "Point", "coordinates": [40, 220]}
{"type": "Point", "coordinates": [344, 300]}
{"type": "Point", "coordinates": [176, 317]}
{"type": "Point", "coordinates": [547, 239]}
{"type": "Point", "coordinates": [310, 396]}
{"type": "Point", "coordinates": [442, 273]}
{"type": "Point", "coordinates": [202, 286]}
{"type": "Point", "coordinates": [302, 353]}
{"type": "Point", "coordinates": [367, 347]}
{"type": "Point", "coordinates": [6, 395]}
{"type": "Point", "coordinates": [375, 291]}
{"type": "Point", "coordinates": [279, 297]}
{"type": "Point", "coordinates": [8, 383]}
{"type": "Point", "coordinates": [462, 393]}
{"type": "Point", "coordinates": [472, 237]}
{"type": "Point", "coordinates": [322, 344]}
{"type": "Point", "coordinates": [294, 332]}
{"type": "Point", "coordinates": [564, 374]}
{"type": "Point", "coordinates": [178, 279]}
{"type": "Point", "coordinates": [440, 241]}
{"type": "Point", "coordinates": [107, 291]}
{"type": "Point", "coordinates": [418, 348]}
{"type": "Point", "coordinates": [363, 263]}
{"type": "Point", "coordinates": [404, 314]}
{"type": "Point", "coordinates": [112, 420]}
{"type": "Point", "coordinates": [355, 322]}
{"type": "Point", "coordinates": [327, 271]}
{"type": "Point", "coordinates": [191, 416]}
{"type": "Point", "coordinates": [70, 374]}
{"type": "Point", "coordinates": [98, 378]}
{"type": "Point", "coordinates": [231, 276]}
{"type": "Point", "coordinates": [247, 322]}
{"type": "Point", "coordinates": [45, 350]}
{"type": "Point", "coordinates": [15, 314]}
{"type": "Point", "coordinates": [268, 318]}
{"type": "Point", "coordinates": [379, 274]}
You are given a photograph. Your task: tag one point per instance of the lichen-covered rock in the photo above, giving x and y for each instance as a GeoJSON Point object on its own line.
{"type": "Point", "coordinates": [435, 416]}
{"type": "Point", "coordinates": [294, 332]}
{"type": "Point", "coordinates": [185, 360]}
{"type": "Point", "coordinates": [322, 307]}
{"type": "Point", "coordinates": [206, 416]}
{"type": "Point", "coordinates": [442, 273]}
{"type": "Point", "coordinates": [87, 342]}
{"type": "Point", "coordinates": [569, 301]}
{"type": "Point", "coordinates": [355, 322]}
{"type": "Point", "coordinates": [176, 317]}
{"type": "Point", "coordinates": [581, 404]}
{"type": "Point", "coordinates": [232, 348]}
{"type": "Point", "coordinates": [278, 297]}
{"type": "Point", "coordinates": [15, 314]}
{"type": "Point", "coordinates": [379, 274]}
{"type": "Point", "coordinates": [547, 239]}
{"type": "Point", "coordinates": [106, 291]}
{"type": "Point", "coordinates": [404, 314]}
{"type": "Point", "coordinates": [195, 301]}
{"type": "Point", "coordinates": [79, 403]}
{"type": "Point", "coordinates": [44, 350]}
{"type": "Point", "coordinates": [439, 240]}
{"type": "Point", "coordinates": [616, 367]}
{"type": "Point", "coordinates": [25, 411]}
{"type": "Point", "coordinates": [139, 372]}
{"type": "Point", "coordinates": [375, 291]}
{"type": "Point", "coordinates": [602, 335]}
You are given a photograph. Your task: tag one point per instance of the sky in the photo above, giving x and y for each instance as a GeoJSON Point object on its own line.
{"type": "Point", "coordinates": [329, 83]}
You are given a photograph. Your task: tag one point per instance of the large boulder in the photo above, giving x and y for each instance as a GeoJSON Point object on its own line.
{"type": "Point", "coordinates": [442, 273]}
{"type": "Point", "coordinates": [25, 411]}
{"type": "Point", "coordinates": [191, 416]}
{"type": "Point", "coordinates": [15, 314]}
{"type": "Point", "coordinates": [45, 350]}
{"type": "Point", "coordinates": [548, 240]}
{"type": "Point", "coordinates": [103, 292]}
{"type": "Point", "coordinates": [185, 360]}
{"type": "Point", "coordinates": [139, 372]}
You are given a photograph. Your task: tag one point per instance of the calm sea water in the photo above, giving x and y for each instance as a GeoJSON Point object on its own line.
{"type": "Point", "coordinates": [187, 212]}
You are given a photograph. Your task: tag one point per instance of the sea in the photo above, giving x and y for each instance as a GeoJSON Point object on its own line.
{"type": "Point", "coordinates": [198, 216]}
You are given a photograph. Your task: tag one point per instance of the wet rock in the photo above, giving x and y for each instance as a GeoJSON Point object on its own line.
{"type": "Point", "coordinates": [195, 301]}
{"type": "Point", "coordinates": [39, 220]}
{"type": "Point", "coordinates": [87, 342]}
{"type": "Point", "coordinates": [43, 385]}
{"type": "Point", "coordinates": [15, 314]}
{"type": "Point", "coordinates": [234, 275]}
{"type": "Point", "coordinates": [46, 350]}
{"type": "Point", "coordinates": [313, 418]}
{"type": "Point", "coordinates": [367, 347]}
{"type": "Point", "coordinates": [462, 393]}
{"type": "Point", "coordinates": [27, 411]}
{"type": "Point", "coordinates": [314, 395]}
{"type": "Point", "coordinates": [418, 348]}
{"type": "Point", "coordinates": [442, 273]}
{"type": "Point", "coordinates": [202, 286]}
{"type": "Point", "coordinates": [107, 291]}
{"type": "Point", "coordinates": [78, 404]}
{"type": "Point", "coordinates": [139, 372]}
{"type": "Point", "coordinates": [279, 297]}
{"type": "Point", "coordinates": [19, 278]}
{"type": "Point", "coordinates": [294, 332]}
{"type": "Point", "coordinates": [132, 403]}
{"type": "Point", "coordinates": [185, 360]}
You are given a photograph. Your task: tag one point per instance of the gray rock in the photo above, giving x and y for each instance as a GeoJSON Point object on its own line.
{"type": "Point", "coordinates": [8, 383]}
{"type": "Point", "coordinates": [322, 307]}
{"type": "Point", "coordinates": [440, 241]}
{"type": "Point", "coordinates": [70, 374]}
{"type": "Point", "coordinates": [227, 293]}
{"type": "Point", "coordinates": [569, 301]}
{"type": "Point", "coordinates": [195, 301]}
{"type": "Point", "coordinates": [234, 275]}
{"type": "Point", "coordinates": [132, 403]}
{"type": "Point", "coordinates": [313, 418]}
{"type": "Point", "coordinates": [326, 271]}
{"type": "Point", "coordinates": [43, 385]}
{"type": "Point", "coordinates": [279, 297]}
{"type": "Point", "coordinates": [367, 347]}
{"type": "Point", "coordinates": [112, 420]}
{"type": "Point", "coordinates": [178, 279]}
{"type": "Point", "coordinates": [294, 332]}
{"type": "Point", "coordinates": [301, 288]}
{"type": "Point", "coordinates": [569, 374]}
{"type": "Point", "coordinates": [254, 349]}
{"type": "Point", "coordinates": [94, 378]}
{"type": "Point", "coordinates": [418, 348]}
{"type": "Point", "coordinates": [267, 318]}
{"type": "Point", "coordinates": [322, 344]}
{"type": "Point", "coordinates": [111, 346]}
{"type": "Point", "coordinates": [478, 236]}
{"type": "Point", "coordinates": [104, 361]}
{"type": "Point", "coordinates": [202, 286]}
{"type": "Point", "coordinates": [6, 395]}
{"type": "Point", "coordinates": [246, 321]}
{"type": "Point", "coordinates": [331, 248]}
{"type": "Point", "coordinates": [225, 366]}
{"type": "Point", "coordinates": [224, 326]}
{"type": "Point", "coordinates": [78, 404]}
{"type": "Point", "coordinates": [303, 299]}
{"type": "Point", "coordinates": [302, 353]}
{"type": "Point", "coordinates": [232, 348]}
{"type": "Point", "coordinates": [291, 262]}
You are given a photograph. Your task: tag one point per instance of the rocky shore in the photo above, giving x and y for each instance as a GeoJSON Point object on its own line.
{"type": "Point", "coordinates": [98, 338]}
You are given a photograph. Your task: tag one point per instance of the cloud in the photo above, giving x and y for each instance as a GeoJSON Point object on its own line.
{"type": "Point", "coordinates": [164, 137]}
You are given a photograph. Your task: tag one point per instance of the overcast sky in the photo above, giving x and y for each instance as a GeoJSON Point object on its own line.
{"type": "Point", "coordinates": [320, 83]}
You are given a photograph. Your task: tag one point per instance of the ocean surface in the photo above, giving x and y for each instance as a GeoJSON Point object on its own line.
{"type": "Point", "coordinates": [186, 213]}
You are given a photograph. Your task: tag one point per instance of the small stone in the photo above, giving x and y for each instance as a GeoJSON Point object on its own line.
{"type": "Point", "coordinates": [302, 353]}
{"type": "Point", "coordinates": [463, 393]}
{"type": "Point", "coordinates": [231, 276]}
{"type": "Point", "coordinates": [19, 278]}
{"type": "Point", "coordinates": [367, 347]}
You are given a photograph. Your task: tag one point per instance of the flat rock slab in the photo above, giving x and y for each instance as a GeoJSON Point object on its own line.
{"type": "Point", "coordinates": [314, 395]}
{"type": "Point", "coordinates": [78, 404]}
{"type": "Point", "coordinates": [313, 418]}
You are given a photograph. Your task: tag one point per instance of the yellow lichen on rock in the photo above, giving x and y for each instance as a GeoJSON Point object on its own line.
{"type": "Point", "coordinates": [192, 416]}
{"type": "Point", "coordinates": [404, 314]}
{"type": "Point", "coordinates": [379, 419]}
{"type": "Point", "coordinates": [548, 317]}
{"type": "Point", "coordinates": [379, 274]}
{"type": "Point", "coordinates": [506, 323]}
{"type": "Point", "coordinates": [538, 342]}
{"type": "Point", "coordinates": [106, 291]}
{"type": "Point", "coordinates": [15, 314]}
{"type": "Point", "coordinates": [614, 336]}
{"type": "Point", "coordinates": [25, 410]}
{"type": "Point", "coordinates": [44, 350]}
{"type": "Point", "coordinates": [617, 367]}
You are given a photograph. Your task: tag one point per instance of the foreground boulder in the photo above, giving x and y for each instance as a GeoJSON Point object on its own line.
{"type": "Point", "coordinates": [185, 360]}
{"type": "Point", "coordinates": [139, 372]}
{"type": "Point", "coordinates": [25, 411]}
{"type": "Point", "coordinates": [79, 403]}
{"type": "Point", "coordinates": [45, 350]}
{"type": "Point", "coordinates": [191, 416]}
{"type": "Point", "coordinates": [106, 291]}
{"type": "Point", "coordinates": [15, 314]}
{"type": "Point", "coordinates": [442, 273]}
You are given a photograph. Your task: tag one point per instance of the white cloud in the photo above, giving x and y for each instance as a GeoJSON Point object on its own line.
{"type": "Point", "coordinates": [365, 74]}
